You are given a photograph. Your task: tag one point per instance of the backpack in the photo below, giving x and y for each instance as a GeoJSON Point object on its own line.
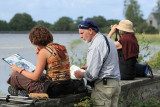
{"type": "Point", "coordinates": [142, 70]}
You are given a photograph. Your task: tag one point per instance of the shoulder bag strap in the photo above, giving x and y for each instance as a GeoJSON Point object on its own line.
{"type": "Point", "coordinates": [107, 42]}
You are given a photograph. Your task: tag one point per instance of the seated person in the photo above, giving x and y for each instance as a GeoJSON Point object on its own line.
{"type": "Point", "coordinates": [55, 59]}
{"type": "Point", "coordinates": [128, 48]}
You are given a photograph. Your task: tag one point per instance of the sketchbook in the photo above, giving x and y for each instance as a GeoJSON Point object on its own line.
{"type": "Point", "coordinates": [73, 68]}
{"type": "Point", "coordinates": [19, 61]}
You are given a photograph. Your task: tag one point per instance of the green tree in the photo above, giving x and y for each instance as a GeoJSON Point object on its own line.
{"type": "Point", "coordinates": [109, 23]}
{"type": "Point", "coordinates": [78, 21]}
{"type": "Point", "coordinates": [156, 11]}
{"type": "Point", "coordinates": [63, 24]}
{"type": "Point", "coordinates": [101, 22]}
{"type": "Point", "coordinates": [42, 23]}
{"type": "Point", "coordinates": [133, 13]}
{"type": "Point", "coordinates": [157, 8]}
{"type": "Point", "coordinates": [149, 29]}
{"type": "Point", "coordinates": [21, 22]}
{"type": "Point", "coordinates": [4, 26]}
{"type": "Point", "coordinates": [104, 25]}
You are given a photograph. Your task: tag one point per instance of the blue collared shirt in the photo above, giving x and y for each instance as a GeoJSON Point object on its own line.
{"type": "Point", "coordinates": [97, 52]}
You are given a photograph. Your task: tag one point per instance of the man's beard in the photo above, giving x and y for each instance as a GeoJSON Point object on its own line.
{"type": "Point", "coordinates": [88, 39]}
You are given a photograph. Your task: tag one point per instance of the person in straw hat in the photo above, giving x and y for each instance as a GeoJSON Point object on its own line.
{"type": "Point", "coordinates": [127, 47]}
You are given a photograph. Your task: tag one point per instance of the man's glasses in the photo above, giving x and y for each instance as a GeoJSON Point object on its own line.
{"type": "Point", "coordinates": [82, 26]}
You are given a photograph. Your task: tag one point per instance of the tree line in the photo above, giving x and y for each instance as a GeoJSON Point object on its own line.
{"type": "Point", "coordinates": [24, 21]}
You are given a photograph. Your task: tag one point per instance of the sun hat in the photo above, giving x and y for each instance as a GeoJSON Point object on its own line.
{"type": "Point", "coordinates": [89, 24]}
{"type": "Point", "coordinates": [125, 25]}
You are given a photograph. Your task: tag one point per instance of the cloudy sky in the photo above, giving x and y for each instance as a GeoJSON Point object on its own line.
{"type": "Point", "coordinates": [51, 10]}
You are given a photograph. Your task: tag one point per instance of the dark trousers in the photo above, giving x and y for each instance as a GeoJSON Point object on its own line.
{"type": "Point", "coordinates": [55, 89]}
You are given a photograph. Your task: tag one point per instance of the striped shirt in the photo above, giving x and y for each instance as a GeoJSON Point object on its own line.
{"type": "Point", "coordinates": [97, 52]}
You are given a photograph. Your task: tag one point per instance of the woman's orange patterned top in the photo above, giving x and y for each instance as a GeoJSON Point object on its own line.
{"type": "Point", "coordinates": [58, 66]}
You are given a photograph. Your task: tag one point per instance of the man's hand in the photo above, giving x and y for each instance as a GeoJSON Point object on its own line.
{"type": "Point", "coordinates": [84, 67]}
{"type": "Point", "coordinates": [79, 74]}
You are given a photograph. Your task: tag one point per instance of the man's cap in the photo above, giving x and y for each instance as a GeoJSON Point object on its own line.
{"type": "Point", "coordinates": [89, 24]}
{"type": "Point", "coordinates": [125, 25]}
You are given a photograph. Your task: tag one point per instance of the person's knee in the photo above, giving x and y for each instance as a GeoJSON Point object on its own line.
{"type": "Point", "coordinates": [14, 74]}
{"type": "Point", "coordinates": [12, 78]}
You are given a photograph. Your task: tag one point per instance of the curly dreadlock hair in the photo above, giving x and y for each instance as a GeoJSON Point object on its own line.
{"type": "Point", "coordinates": [41, 36]}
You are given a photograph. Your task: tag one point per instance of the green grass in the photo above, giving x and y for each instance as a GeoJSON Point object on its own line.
{"type": "Point", "coordinates": [153, 38]}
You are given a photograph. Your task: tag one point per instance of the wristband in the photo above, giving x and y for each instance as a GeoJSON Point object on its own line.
{"type": "Point", "coordinates": [21, 71]}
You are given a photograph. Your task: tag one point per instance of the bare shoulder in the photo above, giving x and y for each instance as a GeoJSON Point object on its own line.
{"type": "Point", "coordinates": [43, 53]}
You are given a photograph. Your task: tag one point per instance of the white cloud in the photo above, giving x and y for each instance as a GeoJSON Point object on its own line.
{"type": "Point", "coordinates": [52, 10]}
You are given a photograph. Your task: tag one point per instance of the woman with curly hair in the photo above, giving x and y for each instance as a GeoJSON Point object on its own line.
{"type": "Point", "coordinates": [54, 59]}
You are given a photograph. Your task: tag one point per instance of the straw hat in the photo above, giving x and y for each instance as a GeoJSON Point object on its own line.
{"type": "Point", "coordinates": [125, 25]}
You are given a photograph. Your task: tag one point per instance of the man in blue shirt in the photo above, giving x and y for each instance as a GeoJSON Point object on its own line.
{"type": "Point", "coordinates": [102, 65]}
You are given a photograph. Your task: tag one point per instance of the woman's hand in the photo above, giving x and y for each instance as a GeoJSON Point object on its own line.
{"type": "Point", "coordinates": [15, 68]}
{"type": "Point", "coordinates": [113, 30]}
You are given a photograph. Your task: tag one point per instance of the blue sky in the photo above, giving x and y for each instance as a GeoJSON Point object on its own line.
{"type": "Point", "coordinates": [51, 10]}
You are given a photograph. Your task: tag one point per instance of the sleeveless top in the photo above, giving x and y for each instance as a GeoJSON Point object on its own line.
{"type": "Point", "coordinates": [58, 66]}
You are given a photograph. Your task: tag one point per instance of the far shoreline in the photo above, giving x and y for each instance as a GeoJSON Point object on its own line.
{"type": "Point", "coordinates": [27, 32]}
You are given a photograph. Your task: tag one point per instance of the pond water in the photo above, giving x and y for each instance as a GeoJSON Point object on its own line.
{"type": "Point", "coordinates": [19, 43]}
